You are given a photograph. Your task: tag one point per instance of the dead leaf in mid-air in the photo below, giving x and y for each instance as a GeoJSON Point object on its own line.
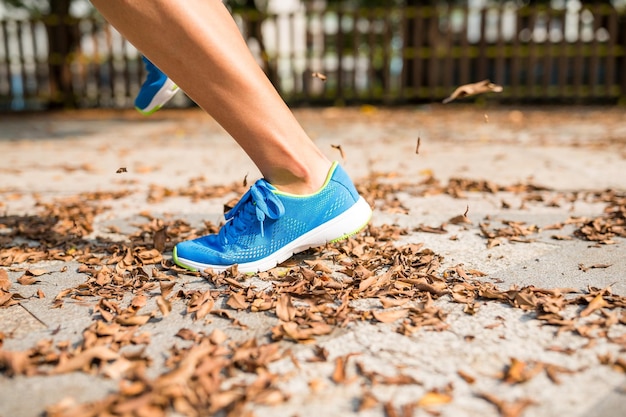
{"type": "Point", "coordinates": [341, 152]}
{"type": "Point", "coordinates": [484, 86]}
{"type": "Point", "coordinates": [319, 75]}
{"type": "Point", "coordinates": [120, 170]}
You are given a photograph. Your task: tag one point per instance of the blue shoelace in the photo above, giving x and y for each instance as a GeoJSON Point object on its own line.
{"type": "Point", "coordinates": [258, 203]}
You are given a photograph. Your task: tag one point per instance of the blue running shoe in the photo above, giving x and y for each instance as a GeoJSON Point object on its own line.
{"type": "Point", "coordinates": [156, 90]}
{"type": "Point", "coordinates": [268, 226]}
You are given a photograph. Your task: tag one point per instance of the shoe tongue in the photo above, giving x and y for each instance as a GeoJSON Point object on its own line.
{"type": "Point", "coordinates": [266, 183]}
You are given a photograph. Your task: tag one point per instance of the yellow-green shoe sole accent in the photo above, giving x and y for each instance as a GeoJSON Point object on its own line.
{"type": "Point", "coordinates": [347, 235]}
{"type": "Point", "coordinates": [182, 265]}
{"type": "Point", "coordinates": [165, 94]}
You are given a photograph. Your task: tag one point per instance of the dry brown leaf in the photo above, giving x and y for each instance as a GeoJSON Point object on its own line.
{"type": "Point", "coordinates": [390, 410]}
{"type": "Point", "coordinates": [319, 75]}
{"type": "Point", "coordinates": [368, 401]}
{"type": "Point", "coordinates": [164, 305]}
{"type": "Point", "coordinates": [515, 372]}
{"type": "Point", "coordinates": [598, 302]}
{"type": "Point", "coordinates": [461, 218]}
{"type": "Point", "coordinates": [389, 316]}
{"type": "Point", "coordinates": [15, 363]}
{"type": "Point", "coordinates": [217, 337]}
{"type": "Point", "coordinates": [187, 334]}
{"type": "Point", "coordinates": [221, 400]}
{"type": "Point", "coordinates": [302, 334]}
{"type": "Point", "coordinates": [237, 301]}
{"type": "Point", "coordinates": [388, 302]}
{"type": "Point", "coordinates": [27, 280]}
{"type": "Point", "coordinates": [117, 369]}
{"type": "Point", "coordinates": [160, 237]}
{"type": "Point", "coordinates": [341, 152]}
{"type": "Point", "coordinates": [466, 376]}
{"type": "Point", "coordinates": [433, 398]}
{"type": "Point", "coordinates": [84, 360]}
{"type": "Point", "coordinates": [138, 302]}
{"type": "Point", "coordinates": [270, 397]}
{"type": "Point", "coordinates": [130, 319]}
{"type": "Point", "coordinates": [368, 282]}
{"type": "Point", "coordinates": [5, 282]}
{"type": "Point", "coordinates": [508, 409]}
{"type": "Point", "coordinates": [200, 304]}
{"type": "Point", "coordinates": [320, 354]}
{"type": "Point", "coordinates": [285, 309]}
{"type": "Point", "coordinates": [339, 374]}
{"type": "Point", "coordinates": [484, 86]}
{"type": "Point", "coordinates": [166, 287]}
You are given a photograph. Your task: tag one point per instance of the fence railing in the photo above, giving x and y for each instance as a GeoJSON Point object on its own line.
{"type": "Point", "coordinates": [389, 55]}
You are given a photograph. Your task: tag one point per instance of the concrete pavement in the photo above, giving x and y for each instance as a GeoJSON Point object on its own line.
{"type": "Point", "coordinates": [570, 155]}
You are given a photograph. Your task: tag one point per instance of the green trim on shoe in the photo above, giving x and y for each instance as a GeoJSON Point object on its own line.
{"type": "Point", "coordinates": [326, 181]}
{"type": "Point", "coordinates": [176, 261]}
{"type": "Point", "coordinates": [347, 235]}
{"type": "Point", "coordinates": [149, 112]}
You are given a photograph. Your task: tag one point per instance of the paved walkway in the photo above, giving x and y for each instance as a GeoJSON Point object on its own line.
{"type": "Point", "coordinates": [495, 199]}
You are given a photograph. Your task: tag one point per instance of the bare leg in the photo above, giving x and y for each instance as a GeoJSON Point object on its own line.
{"type": "Point", "coordinates": [197, 44]}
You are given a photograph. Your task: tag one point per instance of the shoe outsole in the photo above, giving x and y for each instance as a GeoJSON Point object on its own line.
{"type": "Point", "coordinates": [353, 220]}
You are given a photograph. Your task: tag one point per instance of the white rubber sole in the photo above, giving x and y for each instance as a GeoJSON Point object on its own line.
{"type": "Point", "coordinates": [165, 94]}
{"type": "Point", "coordinates": [341, 227]}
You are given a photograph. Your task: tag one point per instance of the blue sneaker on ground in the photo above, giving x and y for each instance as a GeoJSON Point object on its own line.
{"type": "Point", "coordinates": [156, 90]}
{"type": "Point", "coordinates": [268, 226]}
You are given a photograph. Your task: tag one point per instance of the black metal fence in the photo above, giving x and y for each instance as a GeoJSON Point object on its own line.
{"type": "Point", "coordinates": [388, 55]}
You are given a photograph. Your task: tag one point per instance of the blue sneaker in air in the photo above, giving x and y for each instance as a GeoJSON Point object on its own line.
{"type": "Point", "coordinates": [156, 90]}
{"type": "Point", "coordinates": [268, 226]}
